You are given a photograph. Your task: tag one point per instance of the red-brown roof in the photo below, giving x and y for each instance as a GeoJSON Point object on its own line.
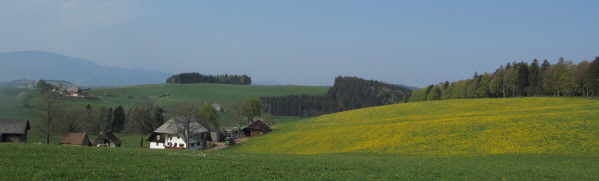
{"type": "Point", "coordinates": [75, 139]}
{"type": "Point", "coordinates": [259, 125]}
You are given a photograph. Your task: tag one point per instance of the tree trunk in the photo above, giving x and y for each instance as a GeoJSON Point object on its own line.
{"type": "Point", "coordinates": [48, 126]}
{"type": "Point", "coordinates": [141, 144]}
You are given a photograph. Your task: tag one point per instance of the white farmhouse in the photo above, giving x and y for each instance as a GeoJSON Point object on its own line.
{"type": "Point", "coordinates": [170, 135]}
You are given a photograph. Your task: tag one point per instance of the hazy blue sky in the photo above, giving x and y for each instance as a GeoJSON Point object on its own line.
{"type": "Point", "coordinates": [307, 42]}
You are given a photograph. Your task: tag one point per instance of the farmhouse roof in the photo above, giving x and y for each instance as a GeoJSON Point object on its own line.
{"type": "Point", "coordinates": [75, 139]}
{"type": "Point", "coordinates": [173, 125]}
{"type": "Point", "coordinates": [14, 126]}
{"type": "Point", "coordinates": [259, 125]}
{"type": "Point", "coordinates": [108, 136]}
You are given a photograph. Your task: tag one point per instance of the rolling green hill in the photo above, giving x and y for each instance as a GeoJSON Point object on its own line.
{"type": "Point", "coordinates": [177, 93]}
{"type": "Point", "coordinates": [453, 127]}
{"type": "Point", "coordinates": [216, 93]}
{"type": "Point", "coordinates": [126, 96]}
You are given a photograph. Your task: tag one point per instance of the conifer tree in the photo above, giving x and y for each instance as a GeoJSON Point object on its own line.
{"type": "Point", "coordinates": [534, 78]}
{"type": "Point", "coordinates": [119, 117]}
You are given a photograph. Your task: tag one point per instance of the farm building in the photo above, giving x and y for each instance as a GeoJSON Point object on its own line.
{"type": "Point", "coordinates": [107, 139]}
{"type": "Point", "coordinates": [75, 139]}
{"type": "Point", "coordinates": [14, 130]}
{"type": "Point", "coordinates": [170, 135]}
{"type": "Point", "coordinates": [257, 127]}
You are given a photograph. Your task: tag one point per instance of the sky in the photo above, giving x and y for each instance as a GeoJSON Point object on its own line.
{"type": "Point", "coordinates": [307, 42]}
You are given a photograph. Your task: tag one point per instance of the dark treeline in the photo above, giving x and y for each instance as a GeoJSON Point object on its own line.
{"type": "Point", "coordinates": [521, 79]}
{"type": "Point", "coordinates": [346, 94]}
{"type": "Point", "coordinates": [189, 78]}
{"type": "Point", "coordinates": [95, 121]}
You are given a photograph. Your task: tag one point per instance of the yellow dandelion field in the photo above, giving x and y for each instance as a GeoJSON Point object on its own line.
{"type": "Point", "coordinates": [452, 127]}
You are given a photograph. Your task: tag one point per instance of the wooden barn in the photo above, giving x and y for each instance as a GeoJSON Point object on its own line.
{"type": "Point", "coordinates": [76, 139]}
{"type": "Point", "coordinates": [258, 127]}
{"type": "Point", "coordinates": [107, 139]}
{"type": "Point", "coordinates": [14, 130]}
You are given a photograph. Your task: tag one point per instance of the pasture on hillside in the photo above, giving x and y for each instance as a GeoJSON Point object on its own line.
{"type": "Point", "coordinates": [541, 125]}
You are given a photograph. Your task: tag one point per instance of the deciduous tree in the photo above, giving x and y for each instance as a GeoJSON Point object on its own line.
{"type": "Point", "coordinates": [251, 108]}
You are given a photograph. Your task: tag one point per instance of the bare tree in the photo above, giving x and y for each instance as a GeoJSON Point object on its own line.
{"type": "Point", "coordinates": [25, 98]}
{"type": "Point", "coordinates": [52, 110]}
{"type": "Point", "coordinates": [188, 112]}
{"type": "Point", "coordinates": [71, 120]}
{"type": "Point", "coordinates": [138, 117]}
{"type": "Point", "coordinates": [269, 118]}
{"type": "Point", "coordinates": [236, 113]}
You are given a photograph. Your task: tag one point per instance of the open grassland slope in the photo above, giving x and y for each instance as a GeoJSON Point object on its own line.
{"type": "Point", "coordinates": [215, 93]}
{"type": "Point", "coordinates": [453, 127]}
{"type": "Point", "coordinates": [53, 162]}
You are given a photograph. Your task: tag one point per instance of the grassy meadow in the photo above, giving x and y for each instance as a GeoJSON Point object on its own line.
{"type": "Point", "coordinates": [53, 162]}
{"type": "Point", "coordinates": [464, 127]}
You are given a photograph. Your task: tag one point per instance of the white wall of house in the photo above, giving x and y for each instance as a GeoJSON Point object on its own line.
{"type": "Point", "coordinates": [176, 141]}
{"type": "Point", "coordinates": [156, 145]}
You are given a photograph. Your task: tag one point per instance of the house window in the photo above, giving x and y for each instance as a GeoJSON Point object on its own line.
{"type": "Point", "coordinates": [192, 144]}
{"type": "Point", "coordinates": [178, 137]}
{"type": "Point", "coordinates": [181, 145]}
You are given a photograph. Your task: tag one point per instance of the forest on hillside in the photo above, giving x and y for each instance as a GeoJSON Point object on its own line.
{"type": "Point", "coordinates": [194, 77]}
{"type": "Point", "coordinates": [347, 93]}
{"type": "Point", "coordinates": [564, 78]}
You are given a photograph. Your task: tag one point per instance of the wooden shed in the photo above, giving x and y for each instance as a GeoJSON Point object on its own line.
{"type": "Point", "coordinates": [107, 139]}
{"type": "Point", "coordinates": [257, 127]}
{"type": "Point", "coordinates": [76, 139]}
{"type": "Point", "coordinates": [14, 130]}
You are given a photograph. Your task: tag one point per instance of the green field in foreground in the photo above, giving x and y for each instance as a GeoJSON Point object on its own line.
{"type": "Point", "coordinates": [453, 127]}
{"type": "Point", "coordinates": [53, 162]}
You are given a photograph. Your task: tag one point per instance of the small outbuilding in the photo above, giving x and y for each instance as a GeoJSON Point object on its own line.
{"type": "Point", "coordinates": [14, 130]}
{"type": "Point", "coordinates": [257, 127]}
{"type": "Point", "coordinates": [107, 139]}
{"type": "Point", "coordinates": [76, 139]}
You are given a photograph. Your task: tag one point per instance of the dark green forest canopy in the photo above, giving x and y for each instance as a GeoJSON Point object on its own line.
{"type": "Point", "coordinates": [346, 94]}
{"type": "Point", "coordinates": [521, 79]}
{"type": "Point", "coordinates": [189, 78]}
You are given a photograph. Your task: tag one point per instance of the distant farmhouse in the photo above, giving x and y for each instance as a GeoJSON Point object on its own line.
{"type": "Point", "coordinates": [107, 139]}
{"type": "Point", "coordinates": [14, 130]}
{"type": "Point", "coordinates": [218, 107]}
{"type": "Point", "coordinates": [75, 139]}
{"type": "Point", "coordinates": [257, 127]}
{"type": "Point", "coordinates": [170, 135]}
{"type": "Point", "coordinates": [71, 91]}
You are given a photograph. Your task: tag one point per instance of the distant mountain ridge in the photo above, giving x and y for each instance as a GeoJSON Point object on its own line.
{"type": "Point", "coordinates": [37, 65]}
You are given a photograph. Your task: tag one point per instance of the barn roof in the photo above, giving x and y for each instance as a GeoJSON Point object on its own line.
{"type": "Point", "coordinates": [174, 124]}
{"type": "Point", "coordinates": [108, 136]}
{"type": "Point", "coordinates": [14, 126]}
{"type": "Point", "coordinates": [75, 139]}
{"type": "Point", "coordinates": [259, 125]}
